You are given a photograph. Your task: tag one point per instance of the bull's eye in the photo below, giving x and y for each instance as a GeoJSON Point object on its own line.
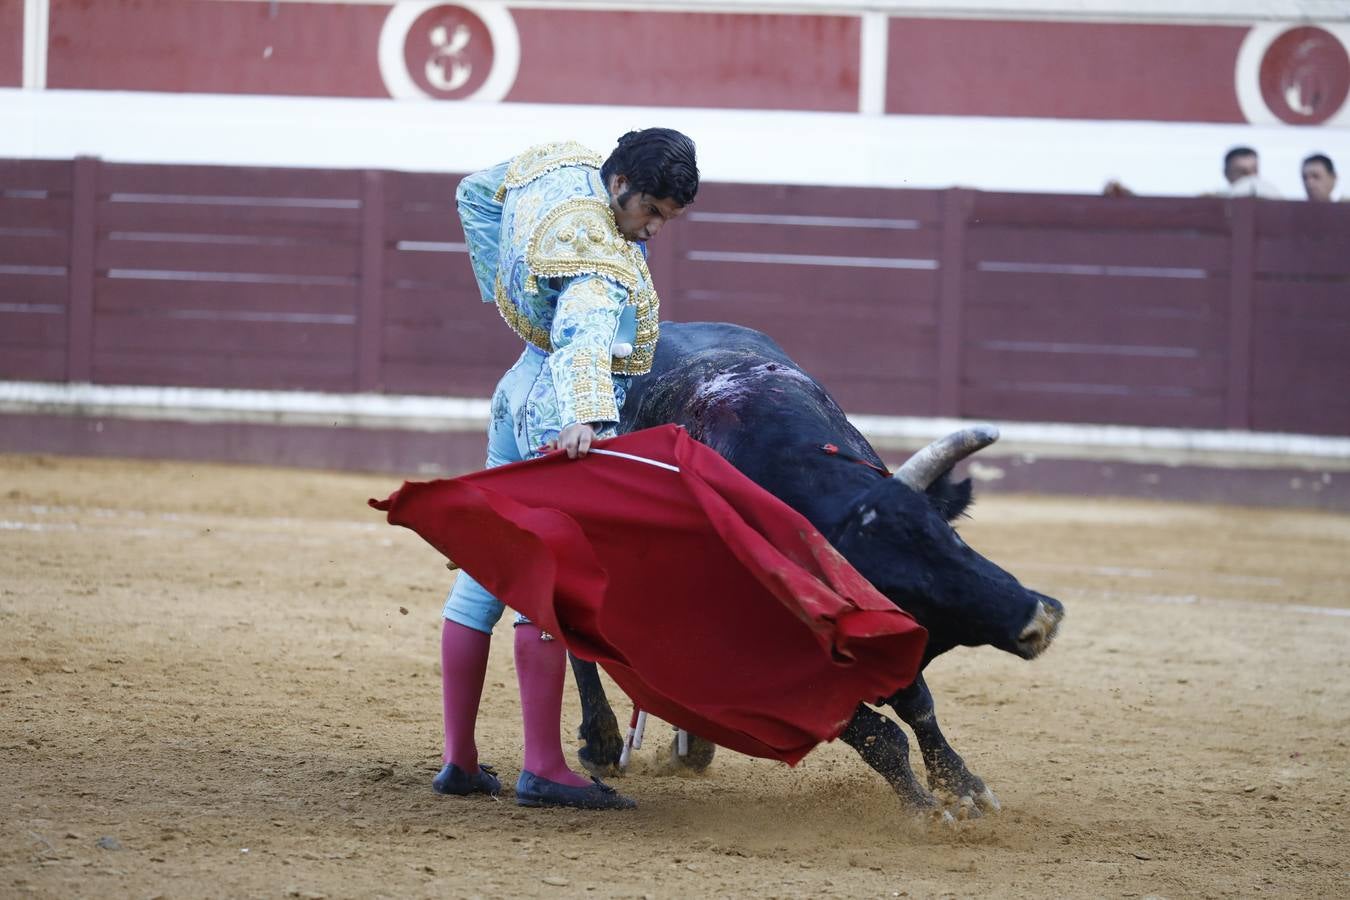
{"type": "Point", "coordinates": [869, 517]}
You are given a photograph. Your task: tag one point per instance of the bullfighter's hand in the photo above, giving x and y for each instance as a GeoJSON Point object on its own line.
{"type": "Point", "coordinates": [576, 439]}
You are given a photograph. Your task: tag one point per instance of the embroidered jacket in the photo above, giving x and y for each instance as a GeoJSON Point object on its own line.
{"type": "Point", "coordinates": [546, 250]}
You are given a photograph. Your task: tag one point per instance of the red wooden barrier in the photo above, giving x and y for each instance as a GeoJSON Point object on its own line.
{"type": "Point", "coordinates": [35, 233]}
{"type": "Point", "coordinates": [1301, 318]}
{"type": "Point", "coordinates": [1097, 310]}
{"type": "Point", "coordinates": [1143, 311]}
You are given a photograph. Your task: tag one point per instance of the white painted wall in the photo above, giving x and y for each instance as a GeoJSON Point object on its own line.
{"type": "Point", "coordinates": [451, 414]}
{"type": "Point", "coordinates": [1050, 155]}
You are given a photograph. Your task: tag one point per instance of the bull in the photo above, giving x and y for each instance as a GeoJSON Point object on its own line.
{"type": "Point", "coordinates": [735, 390]}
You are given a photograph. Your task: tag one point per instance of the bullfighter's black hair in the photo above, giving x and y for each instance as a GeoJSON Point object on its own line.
{"type": "Point", "coordinates": [656, 161]}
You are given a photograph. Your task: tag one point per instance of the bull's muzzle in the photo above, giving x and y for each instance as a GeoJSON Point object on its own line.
{"type": "Point", "coordinates": [1040, 629]}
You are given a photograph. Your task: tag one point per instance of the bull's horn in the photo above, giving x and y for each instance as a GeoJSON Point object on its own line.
{"type": "Point", "coordinates": [924, 467]}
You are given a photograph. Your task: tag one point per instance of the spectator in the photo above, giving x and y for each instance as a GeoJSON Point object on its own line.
{"type": "Point", "coordinates": [1240, 162]}
{"type": "Point", "coordinates": [1319, 178]}
{"type": "Point", "coordinates": [1241, 169]}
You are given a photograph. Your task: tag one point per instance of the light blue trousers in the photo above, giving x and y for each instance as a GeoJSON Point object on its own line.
{"type": "Point", "coordinates": [470, 604]}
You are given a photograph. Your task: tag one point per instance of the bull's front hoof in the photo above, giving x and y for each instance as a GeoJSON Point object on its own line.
{"type": "Point", "coordinates": [698, 754]}
{"type": "Point", "coordinates": [939, 817]}
{"type": "Point", "coordinates": [928, 810]}
{"type": "Point", "coordinates": [968, 806]}
{"type": "Point", "coordinates": [968, 791]}
{"type": "Point", "coordinates": [985, 801]}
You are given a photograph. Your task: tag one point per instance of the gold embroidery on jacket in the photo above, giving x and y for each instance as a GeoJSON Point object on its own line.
{"type": "Point", "coordinates": [579, 237]}
{"type": "Point", "coordinates": [545, 158]}
{"type": "Point", "coordinates": [519, 322]}
{"type": "Point", "coordinates": [639, 362]}
{"type": "Point", "coordinates": [593, 397]}
{"type": "Point", "coordinates": [648, 309]}
{"type": "Point", "coordinates": [587, 296]}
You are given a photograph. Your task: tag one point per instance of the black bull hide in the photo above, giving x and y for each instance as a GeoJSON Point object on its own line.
{"type": "Point", "coordinates": [735, 390]}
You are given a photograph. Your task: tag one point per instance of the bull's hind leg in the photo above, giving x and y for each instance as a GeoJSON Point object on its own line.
{"type": "Point", "coordinates": [884, 747]}
{"type": "Point", "coordinates": [599, 728]}
{"type": "Point", "coordinates": [698, 754]}
{"type": "Point", "coordinates": [946, 769]}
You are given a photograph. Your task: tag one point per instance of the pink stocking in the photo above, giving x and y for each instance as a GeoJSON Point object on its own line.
{"type": "Point", "coordinates": [540, 670]}
{"type": "Point", "coordinates": [464, 657]}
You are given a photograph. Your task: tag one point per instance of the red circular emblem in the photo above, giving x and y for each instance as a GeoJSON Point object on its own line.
{"type": "Point", "coordinates": [448, 52]}
{"type": "Point", "coordinates": [1305, 76]}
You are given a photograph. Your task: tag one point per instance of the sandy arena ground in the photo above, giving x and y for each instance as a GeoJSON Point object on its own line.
{"type": "Point", "coordinates": [222, 682]}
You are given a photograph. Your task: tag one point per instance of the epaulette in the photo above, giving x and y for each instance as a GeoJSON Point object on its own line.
{"type": "Point", "coordinates": [545, 158]}
{"type": "Point", "coordinates": [579, 237]}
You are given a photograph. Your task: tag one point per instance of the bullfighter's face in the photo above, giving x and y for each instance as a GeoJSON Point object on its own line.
{"type": "Point", "coordinates": [639, 216]}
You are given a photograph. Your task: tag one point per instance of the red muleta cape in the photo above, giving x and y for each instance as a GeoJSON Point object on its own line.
{"type": "Point", "coordinates": [710, 602]}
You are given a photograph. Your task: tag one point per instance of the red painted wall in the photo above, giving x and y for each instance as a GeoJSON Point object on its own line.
{"type": "Point", "coordinates": [1063, 70]}
{"type": "Point", "coordinates": [199, 46]}
{"type": "Point", "coordinates": [742, 60]}
{"type": "Point", "coordinates": [1144, 311]}
{"type": "Point", "coordinates": [11, 43]}
{"type": "Point", "coordinates": [688, 59]}
{"type": "Point", "coordinates": [567, 56]}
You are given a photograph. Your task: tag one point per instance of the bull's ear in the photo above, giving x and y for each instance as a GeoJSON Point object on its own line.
{"type": "Point", "coordinates": [951, 500]}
